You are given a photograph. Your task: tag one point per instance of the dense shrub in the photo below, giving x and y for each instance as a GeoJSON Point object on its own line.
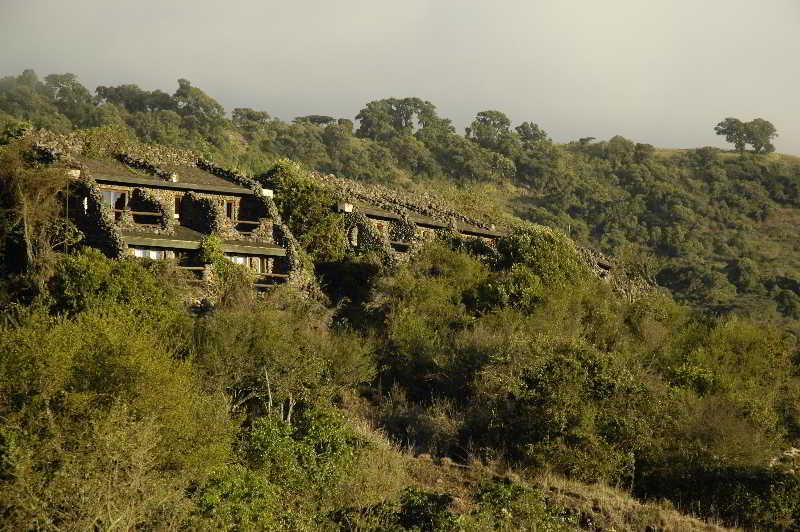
{"type": "Point", "coordinates": [87, 279]}
{"type": "Point", "coordinates": [237, 497]}
{"type": "Point", "coordinates": [308, 210]}
{"type": "Point", "coordinates": [547, 253]}
{"type": "Point", "coordinates": [97, 393]}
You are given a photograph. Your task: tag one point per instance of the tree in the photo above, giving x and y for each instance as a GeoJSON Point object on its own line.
{"type": "Point", "coordinates": [620, 151]}
{"type": "Point", "coordinates": [734, 131]}
{"type": "Point", "coordinates": [25, 97]}
{"type": "Point", "coordinates": [136, 100]}
{"type": "Point", "coordinates": [319, 120]}
{"type": "Point", "coordinates": [759, 133]}
{"type": "Point", "coordinates": [492, 130]}
{"type": "Point", "coordinates": [72, 99]}
{"type": "Point", "coordinates": [200, 112]}
{"type": "Point", "coordinates": [531, 133]}
{"type": "Point", "coordinates": [391, 117]}
{"type": "Point", "coordinates": [30, 201]}
{"type": "Point", "coordinates": [375, 121]}
{"type": "Point", "coordinates": [249, 120]}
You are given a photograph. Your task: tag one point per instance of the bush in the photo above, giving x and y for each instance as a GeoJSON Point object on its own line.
{"type": "Point", "coordinates": [760, 498]}
{"type": "Point", "coordinates": [426, 511]}
{"type": "Point", "coordinates": [278, 355]}
{"type": "Point", "coordinates": [518, 287]}
{"type": "Point", "coordinates": [238, 498]}
{"type": "Point", "coordinates": [149, 289]}
{"type": "Point", "coordinates": [99, 393]}
{"type": "Point", "coordinates": [505, 505]}
{"type": "Point", "coordinates": [547, 253]}
{"type": "Point", "coordinates": [307, 209]}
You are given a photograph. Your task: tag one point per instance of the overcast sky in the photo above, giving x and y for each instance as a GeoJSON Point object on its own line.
{"type": "Point", "coordinates": [657, 71]}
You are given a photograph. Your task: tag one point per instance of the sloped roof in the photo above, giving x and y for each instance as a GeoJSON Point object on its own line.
{"type": "Point", "coordinates": [423, 209]}
{"type": "Point", "coordinates": [189, 177]}
{"type": "Point", "coordinates": [425, 221]}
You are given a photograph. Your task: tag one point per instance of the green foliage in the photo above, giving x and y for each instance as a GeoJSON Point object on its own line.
{"type": "Point", "coordinates": [573, 379]}
{"type": "Point", "coordinates": [280, 356]}
{"type": "Point", "coordinates": [237, 497]}
{"type": "Point", "coordinates": [118, 409]}
{"type": "Point", "coordinates": [210, 251]}
{"type": "Point", "coordinates": [758, 133]}
{"type": "Point", "coordinates": [511, 506]}
{"type": "Point", "coordinates": [88, 279]}
{"type": "Point", "coordinates": [231, 282]}
{"type": "Point", "coordinates": [12, 130]}
{"type": "Point", "coordinates": [97, 393]}
{"type": "Point", "coordinates": [546, 253]}
{"type": "Point", "coordinates": [30, 203]}
{"type": "Point", "coordinates": [312, 454]}
{"type": "Point", "coordinates": [518, 287]}
{"type": "Point", "coordinates": [759, 498]}
{"type": "Point", "coordinates": [308, 211]}
{"type": "Point", "coordinates": [426, 511]}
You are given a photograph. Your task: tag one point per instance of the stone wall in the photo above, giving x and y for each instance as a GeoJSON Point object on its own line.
{"type": "Point", "coordinates": [145, 200]}
{"type": "Point", "coordinates": [95, 219]}
{"type": "Point", "coordinates": [297, 265]}
{"type": "Point", "coordinates": [403, 203]}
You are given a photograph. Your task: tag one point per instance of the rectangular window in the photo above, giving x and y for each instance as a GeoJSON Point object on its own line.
{"type": "Point", "coordinates": [116, 200]}
{"type": "Point", "coordinates": [178, 200]}
{"type": "Point", "coordinates": [237, 259]}
{"type": "Point", "coordinates": [108, 197]}
{"type": "Point", "coordinates": [144, 253]}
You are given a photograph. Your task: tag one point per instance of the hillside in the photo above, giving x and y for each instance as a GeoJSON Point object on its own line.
{"type": "Point", "coordinates": [453, 383]}
{"type": "Point", "coordinates": [714, 227]}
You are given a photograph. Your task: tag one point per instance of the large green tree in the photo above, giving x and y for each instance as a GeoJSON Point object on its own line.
{"type": "Point", "coordinates": [734, 131]}
{"type": "Point", "coordinates": [758, 133]}
{"type": "Point", "coordinates": [492, 130]}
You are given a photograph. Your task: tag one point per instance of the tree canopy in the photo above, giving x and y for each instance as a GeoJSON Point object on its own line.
{"type": "Point", "coordinates": [758, 133]}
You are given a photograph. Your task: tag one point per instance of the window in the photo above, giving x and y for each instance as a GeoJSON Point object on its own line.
{"type": "Point", "coordinates": [116, 199]}
{"type": "Point", "coordinates": [230, 210]}
{"type": "Point", "coordinates": [178, 200]}
{"type": "Point", "coordinates": [155, 254]}
{"type": "Point", "coordinates": [237, 259]}
{"type": "Point", "coordinates": [257, 264]}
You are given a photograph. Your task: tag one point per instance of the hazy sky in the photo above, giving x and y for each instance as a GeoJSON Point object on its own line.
{"type": "Point", "coordinates": [658, 71]}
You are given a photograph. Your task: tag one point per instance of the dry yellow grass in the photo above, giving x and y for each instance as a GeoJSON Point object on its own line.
{"type": "Point", "coordinates": [605, 508]}
{"type": "Point", "coordinates": [385, 470]}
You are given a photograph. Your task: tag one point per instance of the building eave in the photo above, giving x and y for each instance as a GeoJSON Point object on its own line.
{"type": "Point", "coordinates": [188, 187]}
{"type": "Point", "coordinates": [228, 246]}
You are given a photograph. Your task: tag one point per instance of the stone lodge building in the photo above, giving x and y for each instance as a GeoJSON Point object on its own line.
{"type": "Point", "coordinates": [126, 205]}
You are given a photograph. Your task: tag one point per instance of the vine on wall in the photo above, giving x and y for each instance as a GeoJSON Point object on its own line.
{"type": "Point", "coordinates": [97, 223]}
{"type": "Point", "coordinates": [148, 201]}
{"type": "Point", "coordinates": [368, 238]}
